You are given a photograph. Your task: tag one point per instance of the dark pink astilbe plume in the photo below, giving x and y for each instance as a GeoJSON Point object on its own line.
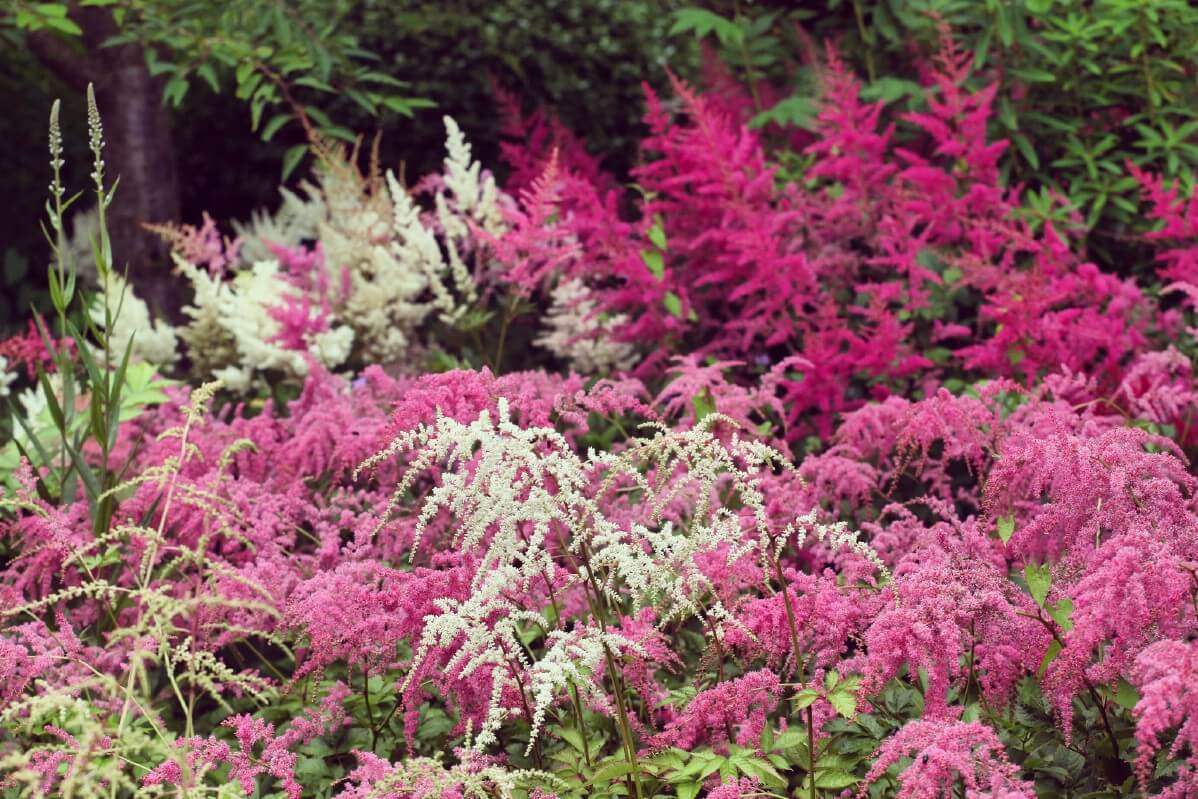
{"type": "Point", "coordinates": [308, 307]}
{"type": "Point", "coordinates": [533, 140]}
{"type": "Point", "coordinates": [28, 349]}
{"type": "Point", "coordinates": [534, 247]}
{"type": "Point", "coordinates": [1178, 218]}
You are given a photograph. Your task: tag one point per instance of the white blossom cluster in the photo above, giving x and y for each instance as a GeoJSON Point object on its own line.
{"type": "Point", "coordinates": [7, 377]}
{"type": "Point", "coordinates": [401, 263]}
{"type": "Point", "coordinates": [518, 495]}
{"type": "Point", "coordinates": [231, 335]}
{"type": "Point", "coordinates": [576, 333]}
{"type": "Point", "coordinates": [154, 340]}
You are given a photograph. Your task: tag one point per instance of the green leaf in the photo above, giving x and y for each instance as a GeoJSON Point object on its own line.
{"type": "Point", "coordinates": [273, 124]}
{"type": "Point", "coordinates": [64, 25]}
{"type": "Point", "coordinates": [702, 22]}
{"type": "Point", "coordinates": [1006, 528]}
{"type": "Point", "coordinates": [1126, 695]}
{"type": "Point", "coordinates": [655, 262]}
{"type": "Point", "coordinates": [572, 737]}
{"type": "Point", "coordinates": [703, 404]}
{"type": "Point", "coordinates": [890, 89]}
{"type": "Point", "coordinates": [805, 698]}
{"type": "Point", "coordinates": [1024, 145]}
{"type": "Point", "coordinates": [174, 91]}
{"type": "Point", "coordinates": [1062, 613]}
{"type": "Point", "coordinates": [673, 304]}
{"type": "Point", "coordinates": [657, 234]}
{"type": "Point", "coordinates": [834, 780]}
{"type": "Point", "coordinates": [314, 83]}
{"type": "Point", "coordinates": [612, 771]}
{"type": "Point", "coordinates": [845, 702]}
{"type": "Point", "coordinates": [206, 72]}
{"type": "Point", "coordinates": [292, 158]}
{"type": "Point", "coordinates": [796, 111]}
{"type": "Point", "coordinates": [1039, 581]}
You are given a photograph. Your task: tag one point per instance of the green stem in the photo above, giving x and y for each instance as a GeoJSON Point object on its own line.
{"type": "Point", "coordinates": [811, 751]}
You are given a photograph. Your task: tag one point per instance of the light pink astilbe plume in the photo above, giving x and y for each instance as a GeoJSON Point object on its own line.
{"type": "Point", "coordinates": [957, 617]}
{"type": "Point", "coordinates": [259, 752]}
{"type": "Point", "coordinates": [201, 246]}
{"type": "Point", "coordinates": [1166, 674]}
{"type": "Point", "coordinates": [947, 754]}
{"type": "Point", "coordinates": [730, 712]}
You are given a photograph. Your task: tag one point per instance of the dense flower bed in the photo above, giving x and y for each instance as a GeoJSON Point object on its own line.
{"type": "Point", "coordinates": [848, 478]}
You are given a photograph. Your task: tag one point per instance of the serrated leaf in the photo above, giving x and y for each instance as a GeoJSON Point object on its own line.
{"type": "Point", "coordinates": [805, 698]}
{"type": "Point", "coordinates": [845, 703]}
{"type": "Point", "coordinates": [1062, 613]}
{"type": "Point", "coordinates": [834, 780]}
{"type": "Point", "coordinates": [610, 772]}
{"type": "Point", "coordinates": [1126, 695]}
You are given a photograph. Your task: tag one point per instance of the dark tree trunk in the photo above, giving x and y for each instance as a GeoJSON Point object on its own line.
{"type": "Point", "coordinates": [138, 147]}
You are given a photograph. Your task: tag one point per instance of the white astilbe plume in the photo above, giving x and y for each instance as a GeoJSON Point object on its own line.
{"type": "Point", "coordinates": [512, 493]}
{"type": "Point", "coordinates": [577, 334]}
{"type": "Point", "coordinates": [154, 340]}
{"type": "Point", "coordinates": [571, 659]}
{"type": "Point", "coordinates": [233, 329]}
{"type": "Point", "coordinates": [7, 377]}
{"type": "Point", "coordinates": [474, 194]}
{"type": "Point", "coordinates": [416, 246]}
{"type": "Point", "coordinates": [298, 219]}
{"type": "Point", "coordinates": [835, 534]}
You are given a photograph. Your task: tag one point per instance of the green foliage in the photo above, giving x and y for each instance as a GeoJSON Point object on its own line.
{"type": "Point", "coordinates": [73, 415]}
{"type": "Point", "coordinates": [585, 60]}
{"type": "Point", "coordinates": [284, 60]}
{"type": "Point", "coordinates": [1085, 87]}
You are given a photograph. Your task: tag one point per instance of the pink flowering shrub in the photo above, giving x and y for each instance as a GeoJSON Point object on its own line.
{"type": "Point", "coordinates": [400, 567]}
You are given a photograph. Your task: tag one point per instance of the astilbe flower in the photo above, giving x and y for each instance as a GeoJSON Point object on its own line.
{"type": "Point", "coordinates": [474, 776]}
{"type": "Point", "coordinates": [1097, 482]}
{"type": "Point", "coordinates": [736, 789]}
{"type": "Point", "coordinates": [1178, 218]}
{"type": "Point", "coordinates": [28, 349]}
{"type": "Point", "coordinates": [259, 751]}
{"type": "Point", "coordinates": [733, 711]}
{"type": "Point", "coordinates": [1137, 587]}
{"type": "Point", "coordinates": [947, 606]}
{"type": "Point", "coordinates": [201, 246]}
{"type": "Point", "coordinates": [1159, 387]}
{"type": "Point", "coordinates": [530, 141]}
{"type": "Point", "coordinates": [948, 754]}
{"type": "Point", "coordinates": [1166, 674]}
{"type": "Point", "coordinates": [828, 617]}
